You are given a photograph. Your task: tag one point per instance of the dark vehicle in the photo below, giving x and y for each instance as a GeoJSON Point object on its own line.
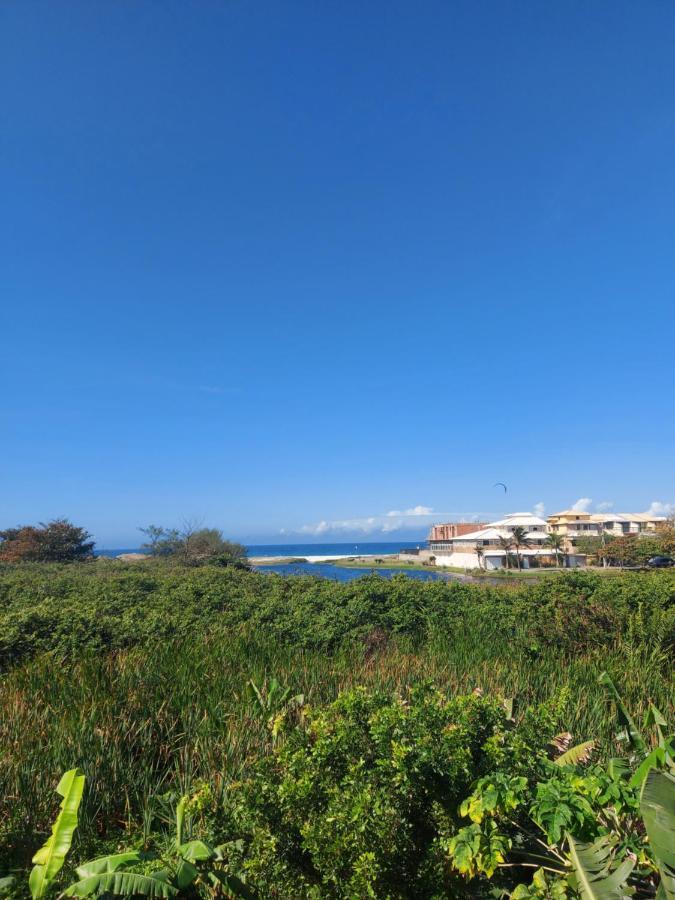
{"type": "Point", "coordinates": [661, 562]}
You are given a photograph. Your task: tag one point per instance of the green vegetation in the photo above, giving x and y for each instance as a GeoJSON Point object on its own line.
{"type": "Point", "coordinates": [57, 541]}
{"type": "Point", "coordinates": [325, 736]}
{"type": "Point", "coordinates": [629, 549]}
{"type": "Point", "coordinates": [193, 546]}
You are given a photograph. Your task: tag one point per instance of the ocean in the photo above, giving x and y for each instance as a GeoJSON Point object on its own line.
{"type": "Point", "coordinates": [382, 548]}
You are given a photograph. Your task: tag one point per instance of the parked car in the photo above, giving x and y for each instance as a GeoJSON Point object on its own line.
{"type": "Point", "coordinates": [661, 562]}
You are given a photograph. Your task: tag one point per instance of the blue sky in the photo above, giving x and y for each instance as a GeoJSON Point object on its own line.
{"type": "Point", "coordinates": [295, 266]}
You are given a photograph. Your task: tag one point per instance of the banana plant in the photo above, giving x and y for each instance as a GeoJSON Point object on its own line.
{"type": "Point", "coordinates": [187, 865]}
{"type": "Point", "coordinates": [594, 874]}
{"type": "Point", "coordinates": [50, 857]}
{"type": "Point", "coordinates": [657, 806]}
{"type": "Point", "coordinates": [662, 756]}
{"type": "Point", "coordinates": [274, 703]}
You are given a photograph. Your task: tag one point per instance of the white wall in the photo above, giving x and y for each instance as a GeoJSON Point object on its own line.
{"type": "Point", "coordinates": [460, 560]}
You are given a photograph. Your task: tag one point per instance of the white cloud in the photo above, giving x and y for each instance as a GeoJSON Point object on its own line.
{"type": "Point", "coordinates": [583, 504]}
{"type": "Point", "coordinates": [539, 509]}
{"type": "Point", "coordinates": [658, 508]}
{"type": "Point", "coordinates": [384, 523]}
{"type": "Point", "coordinates": [604, 506]}
{"type": "Point", "coordinates": [365, 526]}
{"type": "Point", "coordinates": [415, 511]}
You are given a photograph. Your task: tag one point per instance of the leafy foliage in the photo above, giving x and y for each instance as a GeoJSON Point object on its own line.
{"type": "Point", "coordinates": [57, 541]}
{"type": "Point", "coordinates": [193, 546]}
{"type": "Point", "coordinates": [49, 858]}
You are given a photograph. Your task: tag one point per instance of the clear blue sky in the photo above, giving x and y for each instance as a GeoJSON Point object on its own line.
{"type": "Point", "coordinates": [273, 264]}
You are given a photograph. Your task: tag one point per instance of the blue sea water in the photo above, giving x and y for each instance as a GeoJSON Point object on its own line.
{"type": "Point", "coordinates": [284, 550]}
{"type": "Point", "coordinates": [366, 548]}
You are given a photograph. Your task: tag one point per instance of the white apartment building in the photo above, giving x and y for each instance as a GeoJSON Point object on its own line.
{"type": "Point", "coordinates": [485, 548]}
{"type": "Point", "coordinates": [572, 524]}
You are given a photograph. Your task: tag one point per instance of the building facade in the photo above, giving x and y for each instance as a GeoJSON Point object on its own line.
{"type": "Point", "coordinates": [571, 524]}
{"type": "Point", "coordinates": [491, 546]}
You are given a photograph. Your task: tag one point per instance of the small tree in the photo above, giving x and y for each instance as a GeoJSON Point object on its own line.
{"type": "Point", "coordinates": [161, 541]}
{"type": "Point", "coordinates": [556, 542]}
{"type": "Point", "coordinates": [519, 539]}
{"type": "Point", "coordinates": [623, 550]}
{"type": "Point", "coordinates": [506, 545]}
{"type": "Point", "coordinates": [56, 541]}
{"type": "Point", "coordinates": [194, 546]}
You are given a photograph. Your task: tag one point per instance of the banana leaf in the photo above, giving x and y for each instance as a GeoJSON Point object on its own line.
{"type": "Point", "coordinates": [105, 864]}
{"type": "Point", "coordinates": [196, 851]}
{"type": "Point", "coordinates": [124, 884]}
{"type": "Point", "coordinates": [634, 737]}
{"type": "Point", "coordinates": [575, 755]}
{"type": "Point", "coordinates": [657, 805]}
{"type": "Point", "coordinates": [591, 865]}
{"type": "Point", "coordinates": [50, 857]}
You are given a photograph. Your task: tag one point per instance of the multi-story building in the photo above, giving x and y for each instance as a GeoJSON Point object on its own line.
{"type": "Point", "coordinates": [488, 546]}
{"type": "Point", "coordinates": [441, 536]}
{"type": "Point", "coordinates": [572, 524]}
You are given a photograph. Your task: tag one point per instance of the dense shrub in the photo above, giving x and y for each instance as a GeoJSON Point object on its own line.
{"type": "Point", "coordinates": [109, 605]}
{"type": "Point", "coordinates": [357, 803]}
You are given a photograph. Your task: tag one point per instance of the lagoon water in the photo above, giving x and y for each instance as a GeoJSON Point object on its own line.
{"type": "Point", "coordinates": [337, 573]}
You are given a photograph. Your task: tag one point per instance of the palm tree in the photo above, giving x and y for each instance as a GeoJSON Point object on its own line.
{"type": "Point", "coordinates": [480, 553]}
{"type": "Point", "coordinates": [519, 539]}
{"type": "Point", "coordinates": [506, 544]}
{"type": "Point", "coordinates": [556, 542]}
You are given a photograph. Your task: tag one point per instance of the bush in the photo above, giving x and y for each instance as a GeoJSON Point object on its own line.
{"type": "Point", "coordinates": [57, 541]}
{"type": "Point", "coordinates": [357, 803]}
{"type": "Point", "coordinates": [67, 609]}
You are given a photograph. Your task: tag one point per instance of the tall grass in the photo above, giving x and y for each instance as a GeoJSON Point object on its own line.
{"type": "Point", "coordinates": [138, 675]}
{"type": "Point", "coordinates": [147, 722]}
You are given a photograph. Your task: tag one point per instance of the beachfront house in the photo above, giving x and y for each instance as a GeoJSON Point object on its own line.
{"type": "Point", "coordinates": [491, 547]}
{"type": "Point", "coordinates": [572, 524]}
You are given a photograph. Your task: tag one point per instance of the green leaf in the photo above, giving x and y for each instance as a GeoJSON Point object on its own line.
{"type": "Point", "coordinates": [575, 755]}
{"type": "Point", "coordinates": [124, 884]}
{"type": "Point", "coordinates": [196, 851]}
{"type": "Point", "coordinates": [180, 820]}
{"type": "Point", "coordinates": [634, 737]}
{"type": "Point", "coordinates": [50, 857]}
{"type": "Point", "coordinates": [655, 760]}
{"type": "Point", "coordinates": [618, 768]}
{"type": "Point", "coordinates": [235, 886]}
{"type": "Point", "coordinates": [105, 864]}
{"type": "Point", "coordinates": [657, 805]}
{"type": "Point", "coordinates": [591, 864]}
{"type": "Point", "coordinates": [186, 873]}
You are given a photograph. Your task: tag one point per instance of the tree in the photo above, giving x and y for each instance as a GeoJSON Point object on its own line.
{"type": "Point", "coordinates": [623, 550]}
{"type": "Point", "coordinates": [591, 547]}
{"type": "Point", "coordinates": [666, 537]}
{"type": "Point", "coordinates": [194, 546]}
{"type": "Point", "coordinates": [506, 545]}
{"type": "Point", "coordinates": [56, 541]}
{"type": "Point", "coordinates": [556, 542]}
{"type": "Point", "coordinates": [480, 553]}
{"type": "Point", "coordinates": [519, 539]}
{"type": "Point", "coordinates": [161, 541]}
{"type": "Point", "coordinates": [208, 545]}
